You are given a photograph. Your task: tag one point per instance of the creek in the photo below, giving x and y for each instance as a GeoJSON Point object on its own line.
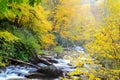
{"type": "Point", "coordinates": [13, 72]}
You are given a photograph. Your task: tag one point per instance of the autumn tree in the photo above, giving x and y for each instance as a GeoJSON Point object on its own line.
{"type": "Point", "coordinates": [30, 15]}
{"type": "Point", "coordinates": [26, 21]}
{"type": "Point", "coordinates": [102, 44]}
{"type": "Point", "coordinates": [105, 44]}
{"type": "Point", "coordinates": [62, 14]}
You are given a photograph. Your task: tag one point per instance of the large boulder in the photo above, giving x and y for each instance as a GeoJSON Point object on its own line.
{"type": "Point", "coordinates": [51, 71]}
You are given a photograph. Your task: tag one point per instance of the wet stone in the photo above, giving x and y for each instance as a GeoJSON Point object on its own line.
{"type": "Point", "coordinates": [42, 65]}
{"type": "Point", "coordinates": [32, 70]}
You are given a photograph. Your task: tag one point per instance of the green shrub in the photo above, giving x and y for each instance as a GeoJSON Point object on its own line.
{"type": "Point", "coordinates": [18, 43]}
{"type": "Point", "coordinates": [62, 41]}
{"type": "Point", "coordinates": [7, 41]}
{"type": "Point", "coordinates": [58, 49]}
{"type": "Point", "coordinates": [27, 44]}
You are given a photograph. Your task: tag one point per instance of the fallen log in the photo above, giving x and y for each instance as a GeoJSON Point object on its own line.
{"type": "Point", "coordinates": [22, 62]}
{"type": "Point", "coordinates": [45, 61]}
{"type": "Point", "coordinates": [39, 60]}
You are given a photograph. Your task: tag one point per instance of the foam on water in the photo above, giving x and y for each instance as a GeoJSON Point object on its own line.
{"type": "Point", "coordinates": [15, 72]}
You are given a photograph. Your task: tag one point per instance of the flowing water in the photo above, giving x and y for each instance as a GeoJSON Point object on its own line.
{"type": "Point", "coordinates": [19, 71]}
{"type": "Point", "coordinates": [15, 72]}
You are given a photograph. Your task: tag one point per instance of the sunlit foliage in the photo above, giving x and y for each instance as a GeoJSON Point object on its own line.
{"type": "Point", "coordinates": [103, 45]}
{"type": "Point", "coordinates": [33, 17]}
{"type": "Point", "coordinates": [62, 13]}
{"type": "Point", "coordinates": [31, 25]}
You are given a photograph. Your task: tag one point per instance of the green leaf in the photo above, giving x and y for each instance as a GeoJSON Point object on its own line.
{"type": "Point", "coordinates": [38, 1]}
{"type": "Point", "coordinates": [16, 1]}
{"type": "Point", "coordinates": [31, 2]}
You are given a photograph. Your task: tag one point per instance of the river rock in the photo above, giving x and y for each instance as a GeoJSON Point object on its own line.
{"type": "Point", "coordinates": [1, 70]}
{"type": "Point", "coordinates": [42, 65]}
{"type": "Point", "coordinates": [51, 71]}
{"type": "Point", "coordinates": [52, 60]}
{"type": "Point", "coordinates": [35, 75]}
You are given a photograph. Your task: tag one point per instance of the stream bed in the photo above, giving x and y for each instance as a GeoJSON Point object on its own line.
{"type": "Point", "coordinates": [13, 72]}
{"type": "Point", "coordinates": [19, 71]}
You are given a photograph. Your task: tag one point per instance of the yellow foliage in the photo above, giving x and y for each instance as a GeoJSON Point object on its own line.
{"type": "Point", "coordinates": [9, 37]}
{"type": "Point", "coordinates": [47, 40]}
{"type": "Point", "coordinates": [34, 18]}
{"type": "Point", "coordinates": [105, 42]}
{"type": "Point", "coordinates": [62, 15]}
{"type": "Point", "coordinates": [102, 43]}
